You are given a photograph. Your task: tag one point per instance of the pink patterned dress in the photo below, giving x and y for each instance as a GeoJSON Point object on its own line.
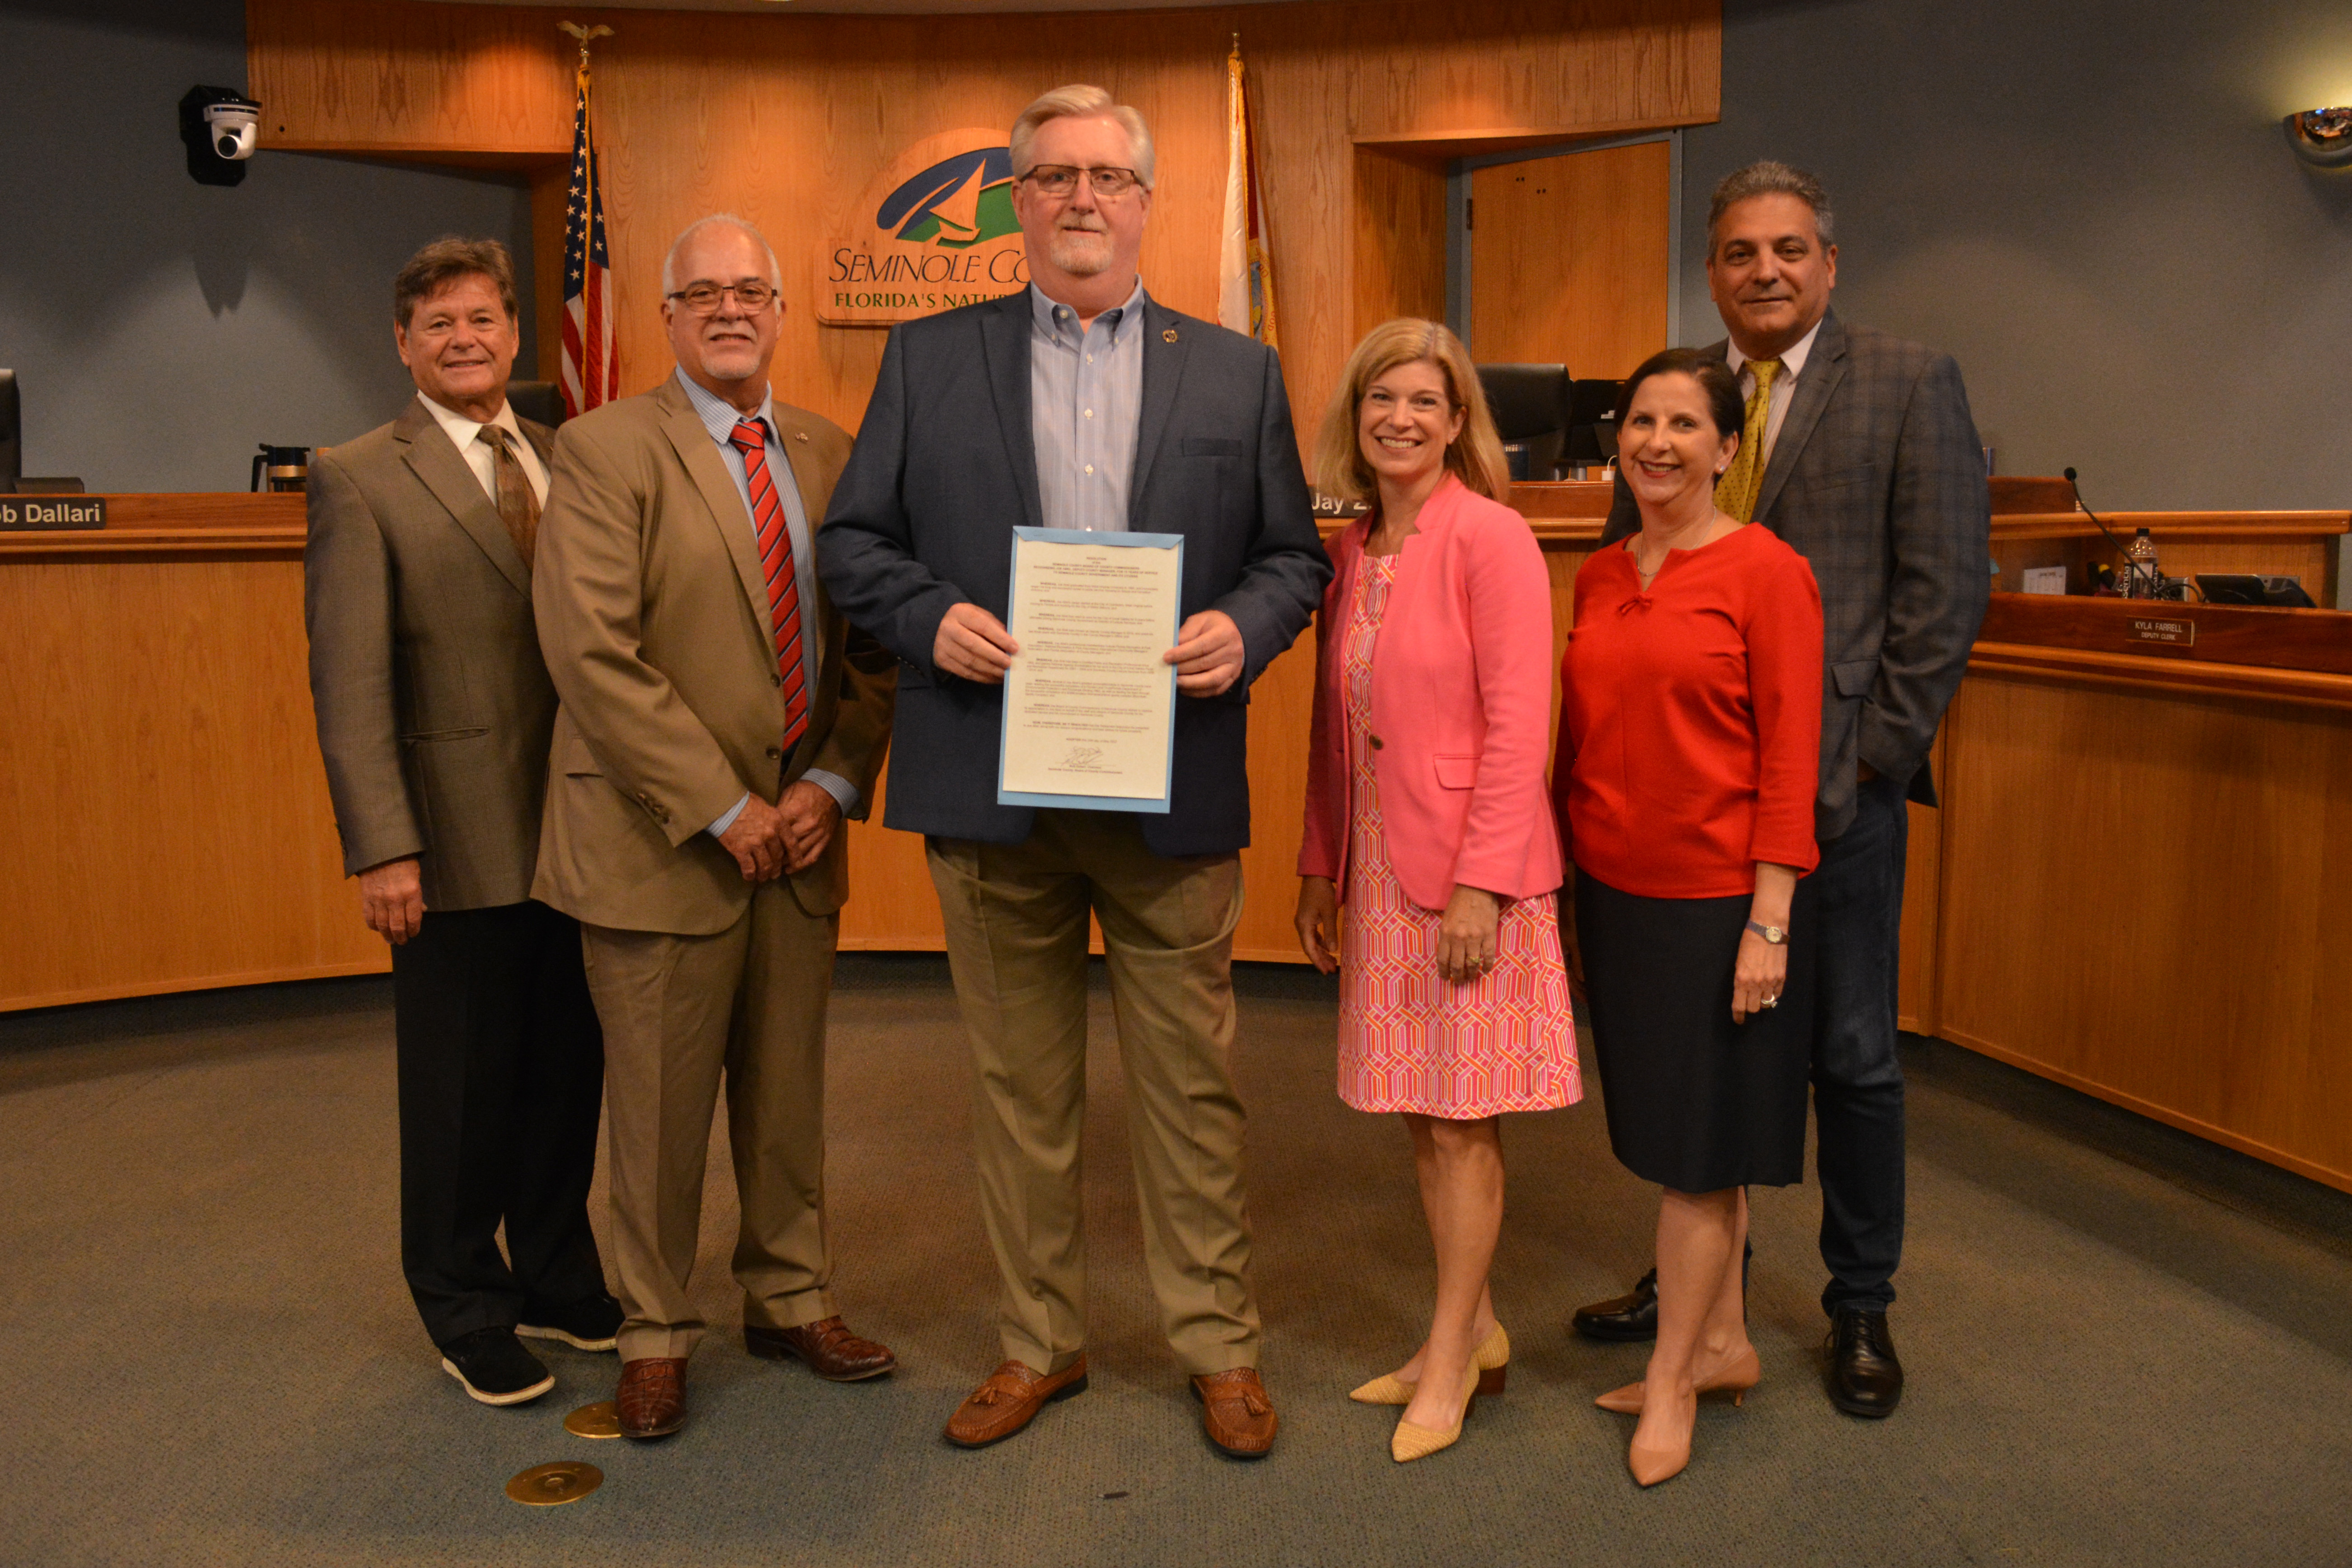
{"type": "Point", "coordinates": [1411, 1039]}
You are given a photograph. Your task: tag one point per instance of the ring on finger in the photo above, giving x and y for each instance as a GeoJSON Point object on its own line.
{"type": "Point", "coordinates": [1771, 1001]}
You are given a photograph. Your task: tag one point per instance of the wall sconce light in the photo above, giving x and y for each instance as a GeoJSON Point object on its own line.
{"type": "Point", "coordinates": [2322, 137]}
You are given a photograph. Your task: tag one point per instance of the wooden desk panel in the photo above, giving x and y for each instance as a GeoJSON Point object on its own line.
{"type": "Point", "coordinates": [2301, 544]}
{"type": "Point", "coordinates": [163, 813]}
{"type": "Point", "coordinates": [2142, 898]}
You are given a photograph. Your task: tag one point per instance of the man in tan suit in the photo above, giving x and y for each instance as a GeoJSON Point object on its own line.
{"type": "Point", "coordinates": [435, 712]}
{"type": "Point", "coordinates": [719, 719]}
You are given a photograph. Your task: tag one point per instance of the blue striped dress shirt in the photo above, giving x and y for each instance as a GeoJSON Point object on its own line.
{"type": "Point", "coordinates": [1086, 399]}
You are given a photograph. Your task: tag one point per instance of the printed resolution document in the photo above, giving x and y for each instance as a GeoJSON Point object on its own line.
{"type": "Point", "coordinates": [1090, 701]}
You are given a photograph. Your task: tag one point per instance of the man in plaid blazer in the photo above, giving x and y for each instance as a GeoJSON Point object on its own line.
{"type": "Point", "coordinates": [1859, 451]}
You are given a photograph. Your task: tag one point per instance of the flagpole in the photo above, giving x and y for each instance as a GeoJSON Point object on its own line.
{"type": "Point", "coordinates": [591, 361]}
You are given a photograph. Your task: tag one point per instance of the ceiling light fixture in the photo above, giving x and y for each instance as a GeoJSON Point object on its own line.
{"type": "Point", "coordinates": [2322, 137]}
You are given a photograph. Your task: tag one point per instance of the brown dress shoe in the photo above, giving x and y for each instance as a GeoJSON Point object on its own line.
{"type": "Point", "coordinates": [831, 1351]}
{"type": "Point", "coordinates": [1006, 1402]}
{"type": "Point", "coordinates": [1236, 1413]}
{"type": "Point", "coordinates": [651, 1398]}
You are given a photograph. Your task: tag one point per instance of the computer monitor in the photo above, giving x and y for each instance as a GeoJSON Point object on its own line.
{"type": "Point", "coordinates": [2245, 588]}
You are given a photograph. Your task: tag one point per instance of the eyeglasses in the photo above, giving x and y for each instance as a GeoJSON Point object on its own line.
{"type": "Point", "coordinates": [1061, 179]}
{"type": "Point", "coordinates": [703, 299]}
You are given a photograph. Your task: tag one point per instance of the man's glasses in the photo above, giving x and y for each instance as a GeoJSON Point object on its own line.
{"type": "Point", "coordinates": [1061, 179]}
{"type": "Point", "coordinates": [703, 299]}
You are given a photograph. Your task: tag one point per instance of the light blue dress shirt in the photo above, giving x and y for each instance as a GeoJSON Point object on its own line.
{"type": "Point", "coordinates": [719, 418]}
{"type": "Point", "coordinates": [1085, 400]}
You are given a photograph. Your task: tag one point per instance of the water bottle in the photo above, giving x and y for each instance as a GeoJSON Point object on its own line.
{"type": "Point", "coordinates": [2142, 576]}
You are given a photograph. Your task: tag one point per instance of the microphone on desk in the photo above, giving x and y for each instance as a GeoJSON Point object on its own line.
{"type": "Point", "coordinates": [2130, 568]}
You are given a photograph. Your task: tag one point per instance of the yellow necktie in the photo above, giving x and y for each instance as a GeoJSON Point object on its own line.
{"type": "Point", "coordinates": [1736, 492]}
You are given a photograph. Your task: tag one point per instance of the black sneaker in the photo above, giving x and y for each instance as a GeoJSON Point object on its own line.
{"type": "Point", "coordinates": [495, 1368]}
{"type": "Point", "coordinates": [594, 1324]}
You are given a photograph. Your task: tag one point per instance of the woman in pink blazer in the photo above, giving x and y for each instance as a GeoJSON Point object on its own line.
{"type": "Point", "coordinates": [1429, 824]}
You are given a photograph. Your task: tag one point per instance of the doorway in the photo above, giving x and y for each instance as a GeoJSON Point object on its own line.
{"type": "Point", "coordinates": [1568, 257]}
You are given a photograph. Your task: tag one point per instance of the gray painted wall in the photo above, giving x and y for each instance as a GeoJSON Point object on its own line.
{"type": "Point", "coordinates": [2093, 206]}
{"type": "Point", "coordinates": [161, 329]}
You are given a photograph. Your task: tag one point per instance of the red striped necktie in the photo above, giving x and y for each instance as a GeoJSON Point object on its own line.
{"type": "Point", "coordinates": [750, 439]}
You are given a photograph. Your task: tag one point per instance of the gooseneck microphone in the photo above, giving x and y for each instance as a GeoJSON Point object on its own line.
{"type": "Point", "coordinates": [2122, 552]}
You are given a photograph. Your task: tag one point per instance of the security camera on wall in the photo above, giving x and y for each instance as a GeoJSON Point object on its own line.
{"type": "Point", "coordinates": [220, 126]}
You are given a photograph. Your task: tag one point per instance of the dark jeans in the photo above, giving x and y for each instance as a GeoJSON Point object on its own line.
{"type": "Point", "coordinates": [1857, 1077]}
{"type": "Point", "coordinates": [501, 1071]}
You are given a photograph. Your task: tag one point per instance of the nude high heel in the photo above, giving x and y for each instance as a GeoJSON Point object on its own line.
{"type": "Point", "coordinates": [1742, 1372]}
{"type": "Point", "coordinates": [1409, 1442]}
{"type": "Point", "coordinates": [1493, 1360]}
{"type": "Point", "coordinates": [1651, 1465]}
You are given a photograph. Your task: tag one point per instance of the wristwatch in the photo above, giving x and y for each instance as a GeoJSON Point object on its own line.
{"type": "Point", "coordinates": [1773, 934]}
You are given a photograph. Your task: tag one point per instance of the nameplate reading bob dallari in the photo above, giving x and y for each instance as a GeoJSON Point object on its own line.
{"type": "Point", "coordinates": [1090, 701]}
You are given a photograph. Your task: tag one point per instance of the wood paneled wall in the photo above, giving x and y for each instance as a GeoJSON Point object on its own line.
{"type": "Point", "coordinates": [785, 118]}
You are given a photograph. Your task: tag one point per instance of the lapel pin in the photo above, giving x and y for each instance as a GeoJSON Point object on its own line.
{"type": "Point", "coordinates": [1168, 336]}
{"type": "Point", "coordinates": [800, 435]}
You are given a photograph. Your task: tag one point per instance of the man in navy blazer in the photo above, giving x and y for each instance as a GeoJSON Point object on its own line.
{"type": "Point", "coordinates": [1081, 402]}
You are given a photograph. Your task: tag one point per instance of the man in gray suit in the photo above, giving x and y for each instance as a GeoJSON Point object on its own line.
{"type": "Point", "coordinates": [434, 714]}
{"type": "Point", "coordinates": [1859, 451]}
{"type": "Point", "coordinates": [1082, 403]}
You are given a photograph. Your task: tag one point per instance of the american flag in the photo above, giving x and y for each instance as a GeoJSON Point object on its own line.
{"type": "Point", "coordinates": [591, 361]}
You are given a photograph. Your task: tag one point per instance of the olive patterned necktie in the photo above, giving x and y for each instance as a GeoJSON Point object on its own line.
{"type": "Point", "coordinates": [1734, 493]}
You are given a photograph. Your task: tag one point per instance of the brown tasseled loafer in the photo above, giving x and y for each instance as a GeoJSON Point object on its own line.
{"type": "Point", "coordinates": [831, 1351]}
{"type": "Point", "coordinates": [1236, 1413]}
{"type": "Point", "coordinates": [1009, 1399]}
{"type": "Point", "coordinates": [652, 1397]}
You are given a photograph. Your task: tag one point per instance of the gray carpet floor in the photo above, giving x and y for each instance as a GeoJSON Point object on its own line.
{"type": "Point", "coordinates": [2125, 1346]}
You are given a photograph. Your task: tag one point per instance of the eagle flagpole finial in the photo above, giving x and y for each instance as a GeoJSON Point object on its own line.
{"type": "Point", "coordinates": [583, 33]}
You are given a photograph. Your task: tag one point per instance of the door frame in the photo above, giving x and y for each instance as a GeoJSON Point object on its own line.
{"type": "Point", "coordinates": [1457, 226]}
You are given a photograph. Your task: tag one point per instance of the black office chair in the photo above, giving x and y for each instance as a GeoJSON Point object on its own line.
{"type": "Point", "coordinates": [12, 434]}
{"type": "Point", "coordinates": [540, 400]}
{"type": "Point", "coordinates": [1529, 403]}
{"type": "Point", "coordinates": [1593, 423]}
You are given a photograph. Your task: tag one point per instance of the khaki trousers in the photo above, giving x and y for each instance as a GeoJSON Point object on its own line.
{"type": "Point", "coordinates": [678, 1013]}
{"type": "Point", "coordinates": [1016, 934]}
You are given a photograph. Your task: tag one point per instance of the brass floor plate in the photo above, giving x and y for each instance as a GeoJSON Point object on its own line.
{"type": "Point", "coordinates": [602, 1419]}
{"type": "Point", "coordinates": [544, 1486]}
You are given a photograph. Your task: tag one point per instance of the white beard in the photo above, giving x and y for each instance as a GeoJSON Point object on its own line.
{"type": "Point", "coordinates": [1081, 253]}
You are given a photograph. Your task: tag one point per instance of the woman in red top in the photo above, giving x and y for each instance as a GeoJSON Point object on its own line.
{"type": "Point", "coordinates": [1689, 740]}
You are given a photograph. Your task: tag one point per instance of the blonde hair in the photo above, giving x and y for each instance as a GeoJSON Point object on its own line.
{"type": "Point", "coordinates": [1475, 457]}
{"type": "Point", "coordinates": [1080, 102]}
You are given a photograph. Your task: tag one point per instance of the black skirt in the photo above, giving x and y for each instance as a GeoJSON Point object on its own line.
{"type": "Point", "coordinates": [1695, 1102]}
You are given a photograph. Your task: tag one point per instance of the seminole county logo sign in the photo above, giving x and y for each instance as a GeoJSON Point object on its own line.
{"type": "Point", "coordinates": [935, 230]}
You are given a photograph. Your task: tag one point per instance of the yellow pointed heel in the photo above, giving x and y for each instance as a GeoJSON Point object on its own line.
{"type": "Point", "coordinates": [1409, 1442]}
{"type": "Point", "coordinates": [1742, 1373]}
{"type": "Point", "coordinates": [1492, 1360]}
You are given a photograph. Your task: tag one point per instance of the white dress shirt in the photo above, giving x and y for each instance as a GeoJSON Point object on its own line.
{"type": "Point", "coordinates": [465, 435]}
{"type": "Point", "coordinates": [1792, 366]}
{"type": "Point", "coordinates": [720, 417]}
